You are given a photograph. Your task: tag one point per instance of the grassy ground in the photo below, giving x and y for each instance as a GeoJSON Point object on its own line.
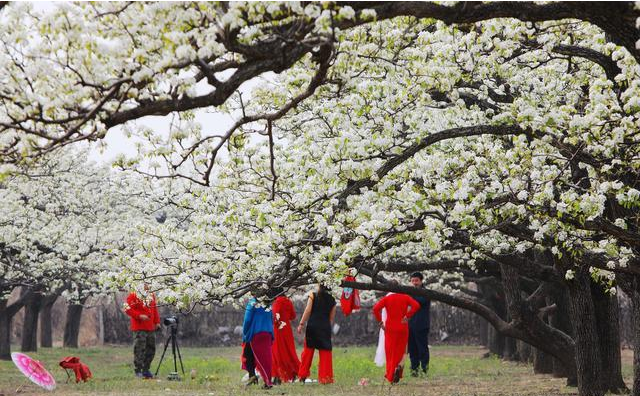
{"type": "Point", "coordinates": [454, 371]}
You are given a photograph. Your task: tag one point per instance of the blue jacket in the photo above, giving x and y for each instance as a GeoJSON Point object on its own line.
{"type": "Point", "coordinates": [421, 320]}
{"type": "Point", "coordinates": [256, 320]}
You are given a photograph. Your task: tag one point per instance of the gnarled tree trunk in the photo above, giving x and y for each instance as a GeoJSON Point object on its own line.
{"type": "Point", "coordinates": [496, 342]}
{"type": "Point", "coordinates": [510, 349]}
{"type": "Point", "coordinates": [631, 286]}
{"type": "Point", "coordinates": [560, 319]}
{"type": "Point", "coordinates": [5, 331]}
{"type": "Point", "coordinates": [484, 333]}
{"type": "Point", "coordinates": [30, 326]}
{"type": "Point", "coordinates": [583, 317]}
{"type": "Point", "coordinates": [542, 362]}
{"type": "Point", "coordinates": [46, 327]}
{"type": "Point", "coordinates": [524, 352]}
{"type": "Point", "coordinates": [635, 300]}
{"type": "Point", "coordinates": [608, 322]}
{"type": "Point", "coordinates": [72, 325]}
{"type": "Point", "coordinates": [7, 312]}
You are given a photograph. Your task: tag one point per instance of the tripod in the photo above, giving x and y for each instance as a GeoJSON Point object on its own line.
{"type": "Point", "coordinates": [173, 338]}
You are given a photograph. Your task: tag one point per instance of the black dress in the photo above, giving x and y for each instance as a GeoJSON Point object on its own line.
{"type": "Point", "coordinates": [318, 334]}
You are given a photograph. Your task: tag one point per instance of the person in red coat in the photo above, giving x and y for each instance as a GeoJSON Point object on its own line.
{"type": "Point", "coordinates": [145, 320]}
{"type": "Point", "coordinates": [285, 358]}
{"type": "Point", "coordinates": [400, 308]}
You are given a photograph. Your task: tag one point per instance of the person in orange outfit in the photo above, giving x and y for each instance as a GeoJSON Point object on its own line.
{"type": "Point", "coordinates": [400, 308]}
{"type": "Point", "coordinates": [145, 320]}
{"type": "Point", "coordinates": [285, 358]}
{"type": "Point", "coordinates": [318, 316]}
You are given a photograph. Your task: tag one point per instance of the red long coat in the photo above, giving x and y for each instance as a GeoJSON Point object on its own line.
{"type": "Point", "coordinates": [400, 308]}
{"type": "Point", "coordinates": [285, 357]}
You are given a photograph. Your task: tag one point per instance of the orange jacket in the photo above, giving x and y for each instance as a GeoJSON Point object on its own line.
{"type": "Point", "coordinates": [136, 307]}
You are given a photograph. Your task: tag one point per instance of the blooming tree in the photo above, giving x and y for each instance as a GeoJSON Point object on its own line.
{"type": "Point", "coordinates": [397, 136]}
{"type": "Point", "coordinates": [63, 222]}
{"type": "Point", "coordinates": [374, 166]}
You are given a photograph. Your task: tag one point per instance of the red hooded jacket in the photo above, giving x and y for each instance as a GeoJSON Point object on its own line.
{"type": "Point", "coordinates": [135, 307]}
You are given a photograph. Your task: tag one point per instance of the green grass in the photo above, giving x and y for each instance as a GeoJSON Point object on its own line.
{"type": "Point", "coordinates": [454, 371]}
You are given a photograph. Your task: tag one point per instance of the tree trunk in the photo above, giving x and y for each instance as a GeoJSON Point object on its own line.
{"type": "Point", "coordinates": [608, 323]}
{"type": "Point", "coordinates": [46, 328]}
{"type": "Point", "coordinates": [496, 342]}
{"type": "Point", "coordinates": [484, 332]}
{"type": "Point", "coordinates": [7, 312]}
{"type": "Point", "coordinates": [631, 286]}
{"type": "Point", "coordinates": [560, 319]}
{"type": "Point", "coordinates": [588, 357]}
{"type": "Point", "coordinates": [5, 331]}
{"type": "Point", "coordinates": [72, 325]}
{"type": "Point", "coordinates": [542, 362]}
{"type": "Point", "coordinates": [524, 352]}
{"type": "Point", "coordinates": [527, 313]}
{"type": "Point", "coordinates": [30, 326]}
{"type": "Point", "coordinates": [635, 304]}
{"type": "Point", "coordinates": [101, 325]}
{"type": "Point", "coordinates": [510, 350]}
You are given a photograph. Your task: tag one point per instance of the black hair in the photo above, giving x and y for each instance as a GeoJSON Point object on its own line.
{"type": "Point", "coordinates": [274, 292]}
{"type": "Point", "coordinates": [322, 289]}
{"type": "Point", "coordinates": [417, 275]}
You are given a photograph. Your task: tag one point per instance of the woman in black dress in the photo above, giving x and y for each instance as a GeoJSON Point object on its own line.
{"type": "Point", "coordinates": [318, 317]}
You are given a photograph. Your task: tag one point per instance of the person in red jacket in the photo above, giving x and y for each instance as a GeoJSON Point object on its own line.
{"type": "Point", "coordinates": [144, 323]}
{"type": "Point", "coordinates": [400, 308]}
{"type": "Point", "coordinates": [285, 358]}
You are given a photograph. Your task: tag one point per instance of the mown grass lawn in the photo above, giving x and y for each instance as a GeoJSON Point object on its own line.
{"type": "Point", "coordinates": [454, 371]}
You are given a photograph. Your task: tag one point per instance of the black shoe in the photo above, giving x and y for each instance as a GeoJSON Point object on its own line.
{"type": "Point", "coordinates": [267, 386]}
{"type": "Point", "coordinates": [425, 371]}
{"type": "Point", "coordinates": [414, 373]}
{"type": "Point", "coordinates": [397, 374]}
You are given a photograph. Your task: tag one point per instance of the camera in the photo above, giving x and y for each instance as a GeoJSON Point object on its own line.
{"type": "Point", "coordinates": [170, 321]}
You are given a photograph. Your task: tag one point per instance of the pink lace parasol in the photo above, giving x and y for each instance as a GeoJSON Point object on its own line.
{"type": "Point", "coordinates": [34, 370]}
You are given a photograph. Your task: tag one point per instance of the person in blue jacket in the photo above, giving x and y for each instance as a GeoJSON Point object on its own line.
{"type": "Point", "coordinates": [257, 338]}
{"type": "Point", "coordinates": [419, 330]}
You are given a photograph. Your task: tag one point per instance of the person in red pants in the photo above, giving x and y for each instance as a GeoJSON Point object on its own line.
{"type": "Point", "coordinates": [400, 308]}
{"type": "Point", "coordinates": [285, 358]}
{"type": "Point", "coordinates": [318, 317]}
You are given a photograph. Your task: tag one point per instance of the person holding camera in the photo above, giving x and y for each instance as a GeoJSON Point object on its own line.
{"type": "Point", "coordinates": [145, 320]}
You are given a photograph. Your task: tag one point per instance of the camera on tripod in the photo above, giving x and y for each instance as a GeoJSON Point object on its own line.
{"type": "Point", "coordinates": [171, 323]}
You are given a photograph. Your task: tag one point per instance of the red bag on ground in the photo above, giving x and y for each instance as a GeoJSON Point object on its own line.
{"type": "Point", "coordinates": [81, 370]}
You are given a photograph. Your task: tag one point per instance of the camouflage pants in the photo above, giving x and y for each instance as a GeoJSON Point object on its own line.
{"type": "Point", "coordinates": [144, 349]}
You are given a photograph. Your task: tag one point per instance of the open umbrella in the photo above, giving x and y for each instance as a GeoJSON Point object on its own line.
{"type": "Point", "coordinates": [34, 370]}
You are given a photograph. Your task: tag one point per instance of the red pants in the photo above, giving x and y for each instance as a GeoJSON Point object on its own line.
{"type": "Point", "coordinates": [325, 368]}
{"type": "Point", "coordinates": [395, 347]}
